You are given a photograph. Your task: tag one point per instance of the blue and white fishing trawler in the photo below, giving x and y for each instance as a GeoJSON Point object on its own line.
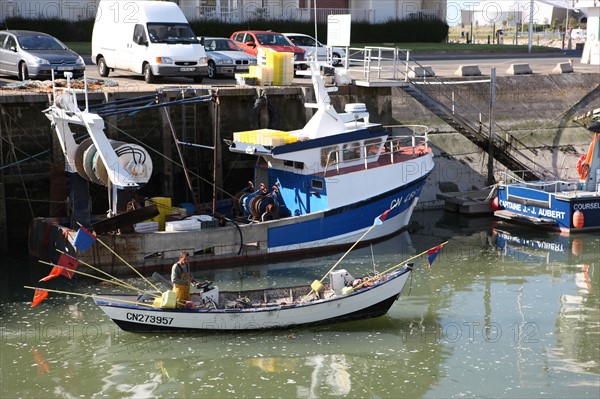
{"type": "Point", "coordinates": [324, 185]}
{"type": "Point", "coordinates": [335, 175]}
{"type": "Point", "coordinates": [565, 205]}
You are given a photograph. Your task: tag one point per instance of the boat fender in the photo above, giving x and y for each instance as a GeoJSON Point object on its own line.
{"type": "Point", "coordinates": [578, 219]}
{"type": "Point", "coordinates": [263, 105]}
{"type": "Point", "coordinates": [583, 167]}
{"type": "Point", "coordinates": [495, 204]}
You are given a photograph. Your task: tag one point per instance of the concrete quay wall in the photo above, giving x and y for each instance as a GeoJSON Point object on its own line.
{"type": "Point", "coordinates": [536, 108]}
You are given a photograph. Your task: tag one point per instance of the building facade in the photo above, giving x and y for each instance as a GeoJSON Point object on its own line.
{"type": "Point", "coordinates": [240, 10]}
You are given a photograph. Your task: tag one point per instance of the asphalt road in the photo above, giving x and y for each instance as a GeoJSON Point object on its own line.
{"type": "Point", "coordinates": [443, 65]}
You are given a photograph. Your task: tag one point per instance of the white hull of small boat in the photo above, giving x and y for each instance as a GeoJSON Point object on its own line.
{"type": "Point", "coordinates": [276, 312]}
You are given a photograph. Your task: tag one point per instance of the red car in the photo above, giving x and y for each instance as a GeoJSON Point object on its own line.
{"type": "Point", "coordinates": [252, 40]}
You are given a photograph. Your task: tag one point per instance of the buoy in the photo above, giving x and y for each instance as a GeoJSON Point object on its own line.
{"type": "Point", "coordinates": [495, 204]}
{"type": "Point", "coordinates": [578, 219]}
{"type": "Point", "coordinates": [577, 247]}
{"type": "Point", "coordinates": [583, 167]}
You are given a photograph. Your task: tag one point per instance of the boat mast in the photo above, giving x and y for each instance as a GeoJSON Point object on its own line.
{"type": "Point", "coordinates": [179, 152]}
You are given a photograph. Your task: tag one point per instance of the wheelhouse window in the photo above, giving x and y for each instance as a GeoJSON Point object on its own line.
{"type": "Point", "coordinates": [372, 147]}
{"type": "Point", "coordinates": [294, 164]}
{"type": "Point", "coordinates": [351, 151]}
{"type": "Point", "coordinates": [329, 155]}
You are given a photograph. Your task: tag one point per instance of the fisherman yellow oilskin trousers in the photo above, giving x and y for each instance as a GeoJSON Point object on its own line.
{"type": "Point", "coordinates": [182, 291]}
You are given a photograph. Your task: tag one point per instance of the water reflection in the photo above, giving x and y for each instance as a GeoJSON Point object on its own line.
{"type": "Point", "coordinates": [500, 314]}
{"type": "Point", "coordinates": [544, 247]}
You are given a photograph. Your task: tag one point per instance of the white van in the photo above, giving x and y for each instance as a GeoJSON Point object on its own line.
{"type": "Point", "coordinates": [148, 37]}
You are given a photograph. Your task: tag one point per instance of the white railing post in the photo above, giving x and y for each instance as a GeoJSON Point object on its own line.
{"type": "Point", "coordinates": [406, 69]}
{"type": "Point", "coordinates": [379, 54]}
{"type": "Point", "coordinates": [395, 63]}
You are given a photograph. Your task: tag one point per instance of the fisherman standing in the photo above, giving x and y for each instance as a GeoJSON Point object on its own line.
{"type": "Point", "coordinates": [182, 278]}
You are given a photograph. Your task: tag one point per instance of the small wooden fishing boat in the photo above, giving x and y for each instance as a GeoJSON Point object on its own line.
{"type": "Point", "coordinates": [342, 298]}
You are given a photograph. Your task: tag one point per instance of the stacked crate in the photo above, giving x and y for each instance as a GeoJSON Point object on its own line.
{"type": "Point", "coordinates": [164, 209]}
{"type": "Point", "coordinates": [274, 68]}
{"type": "Point", "coordinates": [282, 66]}
{"type": "Point", "coordinates": [266, 137]}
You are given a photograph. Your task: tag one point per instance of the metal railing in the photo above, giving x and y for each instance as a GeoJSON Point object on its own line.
{"type": "Point", "coordinates": [381, 63]}
{"type": "Point", "coordinates": [551, 186]}
{"type": "Point", "coordinates": [402, 136]}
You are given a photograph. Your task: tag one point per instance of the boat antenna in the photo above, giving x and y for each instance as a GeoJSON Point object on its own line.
{"type": "Point", "coordinates": [316, 34]}
{"type": "Point", "coordinates": [373, 258]}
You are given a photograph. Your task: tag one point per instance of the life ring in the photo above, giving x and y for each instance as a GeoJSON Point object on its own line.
{"type": "Point", "coordinates": [583, 167]}
{"type": "Point", "coordinates": [273, 118]}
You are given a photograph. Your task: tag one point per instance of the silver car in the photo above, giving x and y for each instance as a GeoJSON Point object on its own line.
{"type": "Point", "coordinates": [310, 44]}
{"type": "Point", "coordinates": [28, 54]}
{"type": "Point", "coordinates": [225, 57]}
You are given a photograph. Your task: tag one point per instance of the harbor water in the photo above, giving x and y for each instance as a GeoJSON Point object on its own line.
{"type": "Point", "coordinates": [503, 312]}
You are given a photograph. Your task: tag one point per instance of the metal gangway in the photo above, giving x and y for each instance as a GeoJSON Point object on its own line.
{"type": "Point", "coordinates": [391, 66]}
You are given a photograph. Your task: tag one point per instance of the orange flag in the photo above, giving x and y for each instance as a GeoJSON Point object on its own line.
{"type": "Point", "coordinates": [40, 361]}
{"type": "Point", "coordinates": [69, 263]}
{"type": "Point", "coordinates": [38, 296]}
{"type": "Point", "coordinates": [55, 272]}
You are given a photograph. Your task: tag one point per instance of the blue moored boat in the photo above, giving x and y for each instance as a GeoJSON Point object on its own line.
{"type": "Point", "coordinates": [566, 205]}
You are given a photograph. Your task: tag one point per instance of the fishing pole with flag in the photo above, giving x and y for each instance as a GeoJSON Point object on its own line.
{"type": "Point", "coordinates": [66, 264]}
{"type": "Point", "coordinates": [432, 254]}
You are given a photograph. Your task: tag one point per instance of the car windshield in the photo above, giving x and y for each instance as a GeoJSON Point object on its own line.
{"type": "Point", "coordinates": [171, 33]}
{"type": "Point", "coordinates": [272, 39]}
{"type": "Point", "coordinates": [303, 41]}
{"type": "Point", "coordinates": [220, 45]}
{"type": "Point", "coordinates": [39, 42]}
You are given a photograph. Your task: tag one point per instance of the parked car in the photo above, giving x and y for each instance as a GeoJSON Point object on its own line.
{"type": "Point", "coordinates": [225, 57]}
{"type": "Point", "coordinates": [152, 38]}
{"type": "Point", "coordinates": [309, 43]}
{"type": "Point", "coordinates": [252, 40]}
{"type": "Point", "coordinates": [28, 54]}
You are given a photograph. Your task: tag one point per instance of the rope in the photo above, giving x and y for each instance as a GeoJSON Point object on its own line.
{"type": "Point", "coordinates": [89, 296]}
{"type": "Point", "coordinates": [115, 282]}
{"type": "Point", "coordinates": [174, 162]}
{"type": "Point", "coordinates": [370, 279]}
{"type": "Point", "coordinates": [347, 252]}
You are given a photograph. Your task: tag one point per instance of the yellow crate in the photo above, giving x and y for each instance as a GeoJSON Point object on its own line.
{"type": "Point", "coordinates": [164, 209]}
